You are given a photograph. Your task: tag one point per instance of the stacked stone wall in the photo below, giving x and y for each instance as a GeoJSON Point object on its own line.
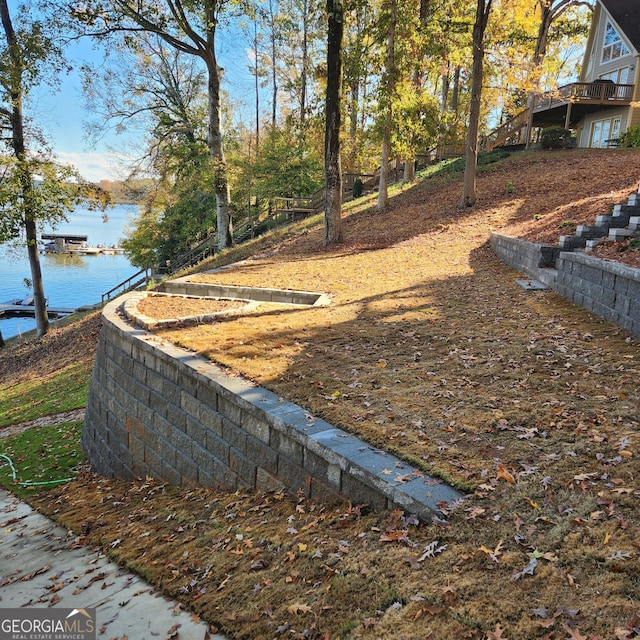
{"type": "Point", "coordinates": [157, 410]}
{"type": "Point", "coordinates": [608, 289]}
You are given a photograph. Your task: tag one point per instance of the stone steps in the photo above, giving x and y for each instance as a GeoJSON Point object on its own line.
{"type": "Point", "coordinates": [622, 223]}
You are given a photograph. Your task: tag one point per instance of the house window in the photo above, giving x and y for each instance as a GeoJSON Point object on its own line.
{"type": "Point", "coordinates": [613, 48]}
{"type": "Point", "coordinates": [604, 133]}
{"type": "Point", "coordinates": [619, 76]}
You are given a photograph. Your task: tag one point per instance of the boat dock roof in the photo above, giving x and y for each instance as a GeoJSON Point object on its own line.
{"type": "Point", "coordinates": [64, 236]}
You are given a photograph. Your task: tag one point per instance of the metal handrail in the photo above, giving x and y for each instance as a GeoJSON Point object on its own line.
{"type": "Point", "coordinates": [133, 282]}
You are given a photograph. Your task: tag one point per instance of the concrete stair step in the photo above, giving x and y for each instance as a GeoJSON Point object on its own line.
{"type": "Point", "coordinates": [572, 242]}
{"type": "Point", "coordinates": [590, 231]}
{"type": "Point", "coordinates": [594, 243]}
{"type": "Point", "coordinates": [621, 234]}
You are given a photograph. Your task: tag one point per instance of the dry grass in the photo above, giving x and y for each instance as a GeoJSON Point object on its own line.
{"type": "Point", "coordinates": [431, 350]}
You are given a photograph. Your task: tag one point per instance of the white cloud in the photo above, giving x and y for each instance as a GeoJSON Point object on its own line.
{"type": "Point", "coordinates": [97, 166]}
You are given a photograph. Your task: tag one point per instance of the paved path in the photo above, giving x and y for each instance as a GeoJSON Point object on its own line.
{"type": "Point", "coordinates": [42, 565]}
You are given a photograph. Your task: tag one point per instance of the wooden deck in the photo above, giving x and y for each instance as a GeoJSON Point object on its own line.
{"type": "Point", "coordinates": [14, 308]}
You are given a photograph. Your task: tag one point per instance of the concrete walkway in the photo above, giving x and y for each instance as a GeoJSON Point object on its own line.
{"type": "Point", "coordinates": [42, 565]}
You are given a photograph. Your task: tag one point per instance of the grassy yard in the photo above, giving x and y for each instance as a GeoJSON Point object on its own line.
{"type": "Point", "coordinates": [430, 350]}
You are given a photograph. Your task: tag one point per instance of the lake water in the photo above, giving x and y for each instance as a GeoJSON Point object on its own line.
{"type": "Point", "coordinates": [69, 280]}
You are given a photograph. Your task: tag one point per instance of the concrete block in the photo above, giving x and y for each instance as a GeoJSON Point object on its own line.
{"type": "Point", "coordinates": [361, 493]}
{"type": "Point", "coordinates": [295, 477]}
{"type": "Point", "coordinates": [186, 466]}
{"type": "Point", "coordinates": [234, 435]}
{"type": "Point", "coordinates": [633, 289]}
{"type": "Point", "coordinates": [622, 305]}
{"type": "Point", "coordinates": [162, 426]}
{"type": "Point", "coordinates": [170, 474]}
{"type": "Point", "coordinates": [157, 403]}
{"type": "Point", "coordinates": [634, 310]}
{"type": "Point", "coordinates": [217, 447]}
{"type": "Point", "coordinates": [229, 410]}
{"type": "Point", "coordinates": [153, 460]}
{"type": "Point", "coordinates": [171, 392]}
{"type": "Point", "coordinates": [287, 447]}
{"type": "Point", "coordinates": [244, 468]}
{"type": "Point", "coordinates": [318, 467]}
{"type": "Point", "coordinates": [226, 476]}
{"type": "Point", "coordinates": [202, 459]}
{"type": "Point", "coordinates": [425, 492]}
{"type": "Point", "coordinates": [256, 427]}
{"type": "Point", "coordinates": [154, 381]}
{"type": "Point", "coordinates": [196, 431]}
{"type": "Point", "coordinates": [166, 450]}
{"type": "Point", "coordinates": [620, 234]}
{"type": "Point", "coordinates": [261, 455]}
{"type": "Point", "coordinates": [267, 482]}
{"type": "Point", "coordinates": [211, 420]}
{"type": "Point", "coordinates": [327, 495]}
{"type": "Point", "coordinates": [181, 442]}
{"type": "Point", "coordinates": [176, 416]}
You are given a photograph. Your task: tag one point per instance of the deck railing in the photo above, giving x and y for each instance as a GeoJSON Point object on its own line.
{"type": "Point", "coordinates": [600, 92]}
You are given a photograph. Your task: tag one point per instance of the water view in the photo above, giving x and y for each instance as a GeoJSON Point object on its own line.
{"type": "Point", "coordinates": [70, 281]}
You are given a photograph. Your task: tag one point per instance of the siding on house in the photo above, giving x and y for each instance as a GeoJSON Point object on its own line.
{"type": "Point", "coordinates": [624, 16]}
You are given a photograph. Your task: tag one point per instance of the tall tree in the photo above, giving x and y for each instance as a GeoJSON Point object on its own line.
{"type": "Point", "coordinates": [551, 10]}
{"type": "Point", "coordinates": [333, 232]}
{"type": "Point", "coordinates": [156, 88]}
{"type": "Point", "coordinates": [33, 188]}
{"type": "Point", "coordinates": [483, 10]}
{"type": "Point", "coordinates": [387, 110]}
{"type": "Point", "coordinates": [190, 28]}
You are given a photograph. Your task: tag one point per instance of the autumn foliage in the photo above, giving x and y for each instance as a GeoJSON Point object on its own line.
{"type": "Point", "coordinates": [430, 350]}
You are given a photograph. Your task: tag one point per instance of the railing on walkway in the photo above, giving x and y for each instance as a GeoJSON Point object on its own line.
{"type": "Point", "coordinates": [137, 280]}
{"type": "Point", "coordinates": [511, 128]}
{"type": "Point", "coordinates": [275, 214]}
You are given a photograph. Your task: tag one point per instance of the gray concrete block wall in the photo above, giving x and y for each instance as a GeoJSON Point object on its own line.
{"type": "Point", "coordinates": [608, 289]}
{"type": "Point", "coordinates": [536, 261]}
{"type": "Point", "coordinates": [157, 410]}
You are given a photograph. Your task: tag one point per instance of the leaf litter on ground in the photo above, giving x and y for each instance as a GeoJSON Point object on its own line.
{"type": "Point", "coordinates": [453, 364]}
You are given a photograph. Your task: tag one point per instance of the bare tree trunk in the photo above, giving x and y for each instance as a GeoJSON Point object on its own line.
{"type": "Point", "coordinates": [223, 210]}
{"type": "Point", "coordinates": [274, 68]}
{"type": "Point", "coordinates": [469, 188]}
{"type": "Point", "coordinates": [333, 171]}
{"type": "Point", "coordinates": [26, 180]}
{"type": "Point", "coordinates": [444, 95]}
{"type": "Point", "coordinates": [383, 187]}
{"type": "Point", "coordinates": [305, 61]}
{"type": "Point", "coordinates": [455, 95]}
{"type": "Point", "coordinates": [257, 83]}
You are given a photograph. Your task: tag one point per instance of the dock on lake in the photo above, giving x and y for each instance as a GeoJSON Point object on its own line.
{"type": "Point", "coordinates": [25, 307]}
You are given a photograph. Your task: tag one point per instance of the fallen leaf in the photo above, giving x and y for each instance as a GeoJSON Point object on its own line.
{"type": "Point", "coordinates": [574, 633]}
{"type": "Point", "coordinates": [297, 608]}
{"type": "Point", "coordinates": [504, 474]}
{"type": "Point", "coordinates": [497, 633]}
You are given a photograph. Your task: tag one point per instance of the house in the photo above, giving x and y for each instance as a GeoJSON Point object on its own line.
{"type": "Point", "coordinates": [612, 54]}
{"type": "Point", "coordinates": [606, 99]}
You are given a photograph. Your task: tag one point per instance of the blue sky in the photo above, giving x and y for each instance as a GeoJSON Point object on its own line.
{"type": "Point", "coordinates": [62, 115]}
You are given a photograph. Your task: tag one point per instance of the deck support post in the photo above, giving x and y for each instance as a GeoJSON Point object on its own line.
{"type": "Point", "coordinates": [567, 120]}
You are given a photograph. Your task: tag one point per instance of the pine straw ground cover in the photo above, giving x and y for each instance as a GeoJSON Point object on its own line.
{"type": "Point", "coordinates": [430, 350]}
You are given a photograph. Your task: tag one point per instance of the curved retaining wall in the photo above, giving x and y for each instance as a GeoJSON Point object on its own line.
{"type": "Point", "coordinates": [609, 289]}
{"type": "Point", "coordinates": [157, 410]}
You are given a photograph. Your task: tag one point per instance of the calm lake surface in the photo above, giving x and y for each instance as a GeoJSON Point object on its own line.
{"type": "Point", "coordinates": [69, 281]}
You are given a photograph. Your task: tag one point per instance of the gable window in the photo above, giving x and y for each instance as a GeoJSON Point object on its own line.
{"type": "Point", "coordinates": [613, 46]}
